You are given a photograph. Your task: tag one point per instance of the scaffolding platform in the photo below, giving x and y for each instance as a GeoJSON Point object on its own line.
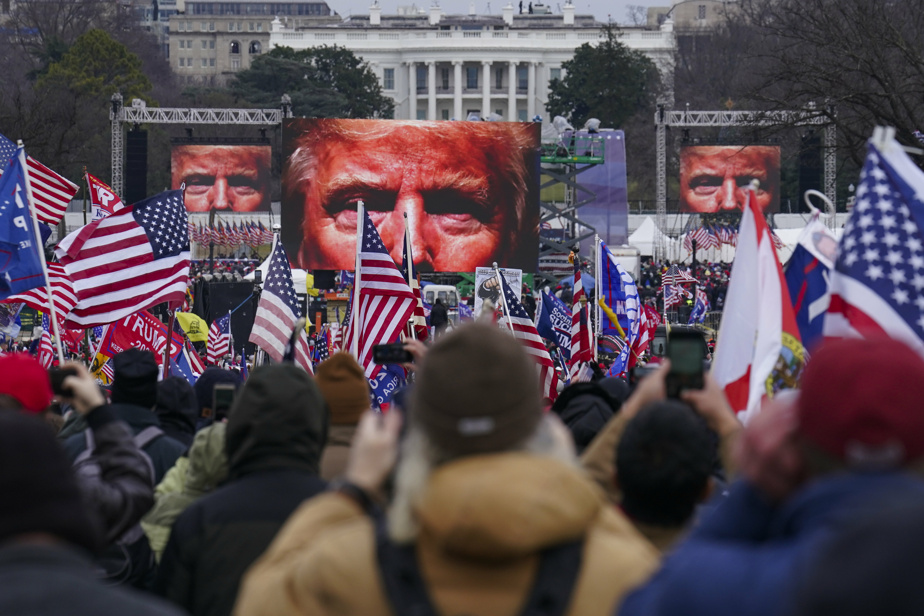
{"type": "Point", "coordinates": [579, 149]}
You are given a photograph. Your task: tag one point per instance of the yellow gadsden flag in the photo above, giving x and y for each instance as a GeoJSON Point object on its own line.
{"type": "Point", "coordinates": [195, 326]}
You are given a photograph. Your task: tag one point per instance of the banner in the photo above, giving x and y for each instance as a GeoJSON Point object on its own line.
{"type": "Point", "coordinates": [486, 285]}
{"type": "Point", "coordinates": [140, 330]}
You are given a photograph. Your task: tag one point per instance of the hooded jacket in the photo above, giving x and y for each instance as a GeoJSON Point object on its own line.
{"type": "Point", "coordinates": [274, 437]}
{"type": "Point", "coordinates": [483, 522]}
{"type": "Point", "coordinates": [204, 469]}
{"type": "Point", "coordinates": [177, 409]}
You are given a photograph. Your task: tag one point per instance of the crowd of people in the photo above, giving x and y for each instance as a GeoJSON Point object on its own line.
{"type": "Point", "coordinates": [290, 495]}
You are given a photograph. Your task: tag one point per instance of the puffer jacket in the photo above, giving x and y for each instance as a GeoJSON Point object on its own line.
{"type": "Point", "coordinates": [483, 522]}
{"type": "Point", "coordinates": [204, 469]}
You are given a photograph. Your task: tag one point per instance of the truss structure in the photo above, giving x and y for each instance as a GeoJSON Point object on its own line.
{"type": "Point", "coordinates": [811, 116]}
{"type": "Point", "coordinates": [139, 113]}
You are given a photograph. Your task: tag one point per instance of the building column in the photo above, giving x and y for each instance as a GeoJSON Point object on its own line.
{"type": "Point", "coordinates": [431, 90]}
{"type": "Point", "coordinates": [457, 89]}
{"type": "Point", "coordinates": [485, 90]}
{"type": "Point", "coordinates": [412, 86]}
{"type": "Point", "coordinates": [512, 92]}
{"type": "Point", "coordinates": [531, 92]}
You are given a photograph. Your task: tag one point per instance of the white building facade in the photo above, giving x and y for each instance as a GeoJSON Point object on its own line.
{"type": "Point", "coordinates": [442, 67]}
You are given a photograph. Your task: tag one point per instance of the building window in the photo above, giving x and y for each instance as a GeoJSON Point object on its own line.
{"type": "Point", "coordinates": [522, 78]}
{"type": "Point", "coordinates": [421, 79]}
{"type": "Point", "coordinates": [421, 114]}
{"type": "Point", "coordinates": [205, 62]}
{"type": "Point", "coordinates": [499, 78]}
{"type": "Point", "coordinates": [182, 44]}
{"type": "Point", "coordinates": [701, 11]}
{"type": "Point", "coordinates": [251, 26]}
{"type": "Point", "coordinates": [212, 44]}
{"type": "Point", "coordinates": [235, 63]}
{"type": "Point", "coordinates": [499, 112]}
{"type": "Point", "coordinates": [444, 78]}
{"type": "Point", "coordinates": [235, 47]}
{"type": "Point", "coordinates": [521, 115]}
{"type": "Point", "coordinates": [260, 26]}
{"type": "Point", "coordinates": [203, 27]}
{"type": "Point", "coordinates": [554, 73]}
{"type": "Point", "coordinates": [444, 114]}
{"type": "Point", "coordinates": [254, 48]}
{"type": "Point", "coordinates": [388, 79]}
{"type": "Point", "coordinates": [189, 43]}
{"type": "Point", "coordinates": [211, 26]}
{"type": "Point", "coordinates": [211, 61]}
{"type": "Point", "coordinates": [205, 44]}
{"type": "Point", "coordinates": [471, 77]}
{"type": "Point", "coordinates": [182, 62]}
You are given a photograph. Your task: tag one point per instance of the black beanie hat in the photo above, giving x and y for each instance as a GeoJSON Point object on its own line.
{"type": "Point", "coordinates": [205, 385]}
{"type": "Point", "coordinates": [134, 378]}
{"type": "Point", "coordinates": [38, 491]}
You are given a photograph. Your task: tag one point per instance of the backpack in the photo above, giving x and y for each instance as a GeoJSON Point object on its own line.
{"type": "Point", "coordinates": [406, 590]}
{"type": "Point", "coordinates": [129, 560]}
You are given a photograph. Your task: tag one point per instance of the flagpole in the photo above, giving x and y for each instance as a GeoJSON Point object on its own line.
{"type": "Point", "coordinates": [598, 290]}
{"type": "Point", "coordinates": [41, 251]}
{"type": "Point", "coordinates": [410, 270]}
{"type": "Point", "coordinates": [169, 342]}
{"type": "Point", "coordinates": [500, 284]}
{"type": "Point", "coordinates": [354, 316]}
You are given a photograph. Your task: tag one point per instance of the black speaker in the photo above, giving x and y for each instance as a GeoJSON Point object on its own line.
{"type": "Point", "coordinates": [325, 279]}
{"type": "Point", "coordinates": [317, 308]}
{"type": "Point", "coordinates": [222, 297]}
{"type": "Point", "coordinates": [136, 167]}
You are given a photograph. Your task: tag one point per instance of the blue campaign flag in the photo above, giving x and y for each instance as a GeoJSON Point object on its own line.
{"type": "Point", "coordinates": [466, 313]}
{"type": "Point", "coordinates": [553, 322]}
{"type": "Point", "coordinates": [390, 379]}
{"type": "Point", "coordinates": [180, 367]}
{"type": "Point", "coordinates": [807, 275]}
{"type": "Point", "coordinates": [700, 308]}
{"type": "Point", "coordinates": [20, 262]}
{"type": "Point", "coordinates": [618, 287]}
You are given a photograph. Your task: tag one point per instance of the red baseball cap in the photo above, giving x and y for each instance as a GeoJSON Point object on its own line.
{"type": "Point", "coordinates": [860, 402]}
{"type": "Point", "coordinates": [22, 377]}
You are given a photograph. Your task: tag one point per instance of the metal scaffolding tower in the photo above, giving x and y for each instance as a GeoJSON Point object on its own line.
{"type": "Point", "coordinates": [811, 116]}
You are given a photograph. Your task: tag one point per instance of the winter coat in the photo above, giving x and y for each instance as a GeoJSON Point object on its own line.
{"type": "Point", "coordinates": [57, 579]}
{"type": "Point", "coordinates": [337, 451]}
{"type": "Point", "coordinates": [163, 450]}
{"type": "Point", "coordinates": [204, 469]}
{"type": "Point", "coordinates": [757, 553]}
{"type": "Point", "coordinates": [177, 409]}
{"type": "Point", "coordinates": [584, 408]}
{"type": "Point", "coordinates": [275, 434]}
{"type": "Point", "coordinates": [483, 522]}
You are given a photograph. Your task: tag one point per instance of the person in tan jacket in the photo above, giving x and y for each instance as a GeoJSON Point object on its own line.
{"type": "Point", "coordinates": [487, 494]}
{"type": "Point", "coordinates": [346, 391]}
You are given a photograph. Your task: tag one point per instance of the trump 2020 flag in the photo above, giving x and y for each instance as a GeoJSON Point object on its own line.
{"type": "Point", "coordinates": [128, 261]}
{"type": "Point", "coordinates": [700, 308]}
{"type": "Point", "coordinates": [807, 275]}
{"type": "Point", "coordinates": [553, 322]}
{"type": "Point", "coordinates": [759, 350]}
{"type": "Point", "coordinates": [877, 285]}
{"type": "Point", "coordinates": [20, 262]}
{"type": "Point", "coordinates": [617, 285]}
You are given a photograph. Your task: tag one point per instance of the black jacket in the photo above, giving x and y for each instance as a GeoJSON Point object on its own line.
{"type": "Point", "coordinates": [163, 450]}
{"type": "Point", "coordinates": [56, 579]}
{"type": "Point", "coordinates": [276, 431]}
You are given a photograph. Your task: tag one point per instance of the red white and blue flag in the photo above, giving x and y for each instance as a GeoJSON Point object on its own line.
{"type": "Point", "coordinates": [46, 350]}
{"type": "Point", "coordinates": [50, 192]}
{"type": "Point", "coordinates": [219, 342]}
{"type": "Point", "coordinates": [581, 352]}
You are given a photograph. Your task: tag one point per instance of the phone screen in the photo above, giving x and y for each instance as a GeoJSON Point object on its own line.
{"type": "Point", "coordinates": [686, 356]}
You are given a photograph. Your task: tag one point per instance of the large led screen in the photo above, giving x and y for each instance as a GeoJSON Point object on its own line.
{"type": "Point", "coordinates": [468, 190]}
{"type": "Point", "coordinates": [223, 177]}
{"type": "Point", "coordinates": [715, 179]}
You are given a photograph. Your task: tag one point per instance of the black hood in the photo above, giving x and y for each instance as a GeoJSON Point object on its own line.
{"type": "Point", "coordinates": [177, 409]}
{"type": "Point", "coordinates": [584, 408]}
{"type": "Point", "coordinates": [279, 420]}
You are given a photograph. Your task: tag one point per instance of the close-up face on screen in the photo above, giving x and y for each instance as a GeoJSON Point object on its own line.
{"type": "Point", "coordinates": [223, 177]}
{"type": "Point", "coordinates": [715, 179]}
{"type": "Point", "coordinates": [468, 191]}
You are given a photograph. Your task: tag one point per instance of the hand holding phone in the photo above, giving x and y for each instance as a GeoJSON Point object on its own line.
{"type": "Point", "coordinates": [685, 351]}
{"type": "Point", "coordinates": [391, 354]}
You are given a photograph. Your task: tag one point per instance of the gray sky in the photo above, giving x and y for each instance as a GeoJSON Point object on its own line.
{"type": "Point", "coordinates": [603, 10]}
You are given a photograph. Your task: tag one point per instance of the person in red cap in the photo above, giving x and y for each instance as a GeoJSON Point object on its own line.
{"type": "Point", "coordinates": [24, 384]}
{"type": "Point", "coordinates": [808, 462]}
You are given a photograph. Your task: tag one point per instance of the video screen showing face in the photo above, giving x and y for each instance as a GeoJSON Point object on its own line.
{"type": "Point", "coordinates": [715, 179]}
{"type": "Point", "coordinates": [223, 177]}
{"type": "Point", "coordinates": [470, 191]}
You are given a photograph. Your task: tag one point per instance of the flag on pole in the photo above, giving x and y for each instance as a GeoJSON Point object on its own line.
{"type": "Point", "coordinates": [219, 342]}
{"type": "Point", "coordinates": [700, 307]}
{"type": "Point", "coordinates": [759, 350]}
{"type": "Point", "coordinates": [385, 301]}
{"type": "Point", "coordinates": [553, 322]}
{"type": "Point", "coordinates": [877, 285]}
{"type": "Point", "coordinates": [524, 331]}
{"type": "Point", "coordinates": [46, 350]}
{"type": "Point", "coordinates": [51, 192]}
{"type": "Point", "coordinates": [419, 320]}
{"type": "Point", "coordinates": [129, 261]}
{"type": "Point", "coordinates": [62, 290]}
{"type": "Point", "coordinates": [674, 276]}
{"type": "Point", "coordinates": [103, 200]}
{"type": "Point", "coordinates": [278, 313]}
{"type": "Point", "coordinates": [243, 364]}
{"type": "Point", "coordinates": [807, 275]}
{"type": "Point", "coordinates": [20, 262]}
{"type": "Point", "coordinates": [581, 350]}
{"type": "Point", "coordinates": [620, 286]}
{"type": "Point", "coordinates": [649, 319]}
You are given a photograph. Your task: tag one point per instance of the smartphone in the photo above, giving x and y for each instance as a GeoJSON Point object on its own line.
{"type": "Point", "coordinates": [391, 354]}
{"type": "Point", "coordinates": [222, 399]}
{"type": "Point", "coordinates": [685, 350]}
{"type": "Point", "coordinates": [57, 376]}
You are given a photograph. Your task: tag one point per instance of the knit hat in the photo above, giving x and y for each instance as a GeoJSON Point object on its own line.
{"type": "Point", "coordinates": [38, 492]}
{"type": "Point", "coordinates": [859, 402]}
{"type": "Point", "coordinates": [345, 388]}
{"type": "Point", "coordinates": [477, 391]}
{"type": "Point", "coordinates": [22, 377]}
{"type": "Point", "coordinates": [205, 384]}
{"type": "Point", "coordinates": [134, 378]}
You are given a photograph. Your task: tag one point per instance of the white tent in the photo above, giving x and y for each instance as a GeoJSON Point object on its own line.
{"type": "Point", "coordinates": [299, 276]}
{"type": "Point", "coordinates": [645, 236]}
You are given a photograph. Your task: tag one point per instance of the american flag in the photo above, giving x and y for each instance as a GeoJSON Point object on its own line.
{"type": "Point", "coordinates": [673, 295]}
{"type": "Point", "coordinates": [525, 331]}
{"type": "Point", "coordinates": [711, 239]}
{"type": "Point", "coordinates": [266, 235]}
{"type": "Point", "coordinates": [777, 242]}
{"type": "Point", "coordinates": [675, 276]}
{"type": "Point", "coordinates": [322, 346]}
{"type": "Point", "coordinates": [877, 285]}
{"type": "Point", "coordinates": [385, 302]}
{"type": "Point", "coordinates": [62, 290]}
{"type": "Point", "coordinates": [129, 261]}
{"type": "Point", "coordinates": [419, 320]}
{"type": "Point", "coordinates": [649, 319]}
{"type": "Point", "coordinates": [46, 350]}
{"type": "Point", "coordinates": [50, 192]}
{"type": "Point", "coordinates": [219, 342]}
{"type": "Point", "coordinates": [581, 352]}
{"type": "Point", "coordinates": [278, 313]}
